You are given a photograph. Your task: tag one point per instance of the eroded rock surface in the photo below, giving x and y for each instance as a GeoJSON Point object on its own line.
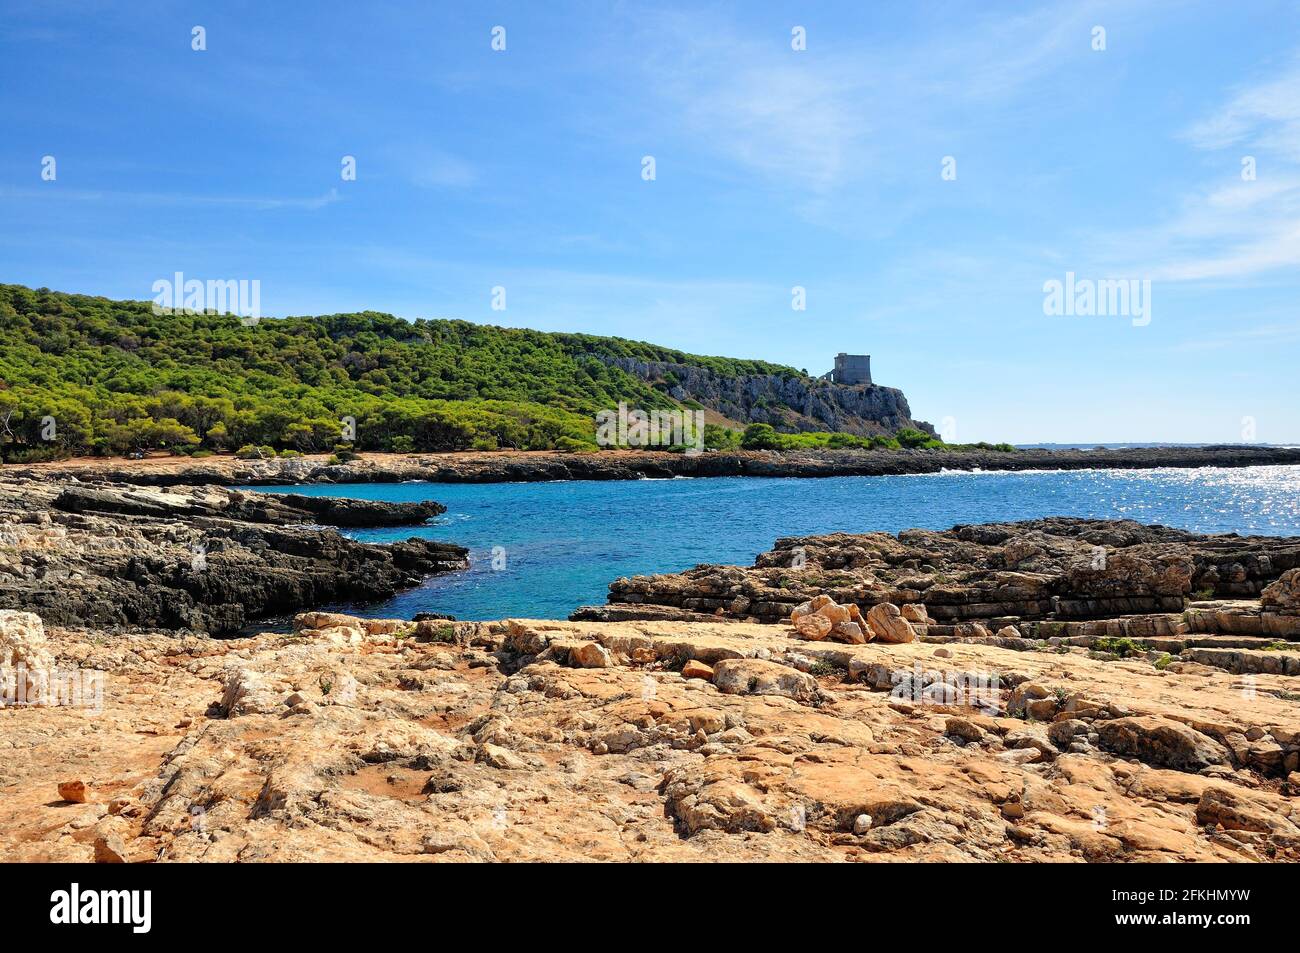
{"type": "Point", "coordinates": [362, 739]}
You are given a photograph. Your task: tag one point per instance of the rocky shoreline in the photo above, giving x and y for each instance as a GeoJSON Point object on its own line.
{"type": "Point", "coordinates": [1057, 690]}
{"type": "Point", "coordinates": [526, 740]}
{"type": "Point", "coordinates": [1041, 575]}
{"type": "Point", "coordinates": [539, 466]}
{"type": "Point", "coordinates": [203, 559]}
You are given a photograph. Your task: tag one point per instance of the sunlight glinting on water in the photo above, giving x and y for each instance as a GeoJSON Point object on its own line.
{"type": "Point", "coordinates": [562, 543]}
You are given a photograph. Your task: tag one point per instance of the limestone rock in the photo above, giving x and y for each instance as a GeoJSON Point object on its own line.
{"type": "Point", "coordinates": [1283, 595]}
{"type": "Point", "coordinates": [849, 632]}
{"type": "Point", "coordinates": [590, 655]}
{"type": "Point", "coordinates": [697, 669]}
{"type": "Point", "coordinates": [110, 849]}
{"type": "Point", "coordinates": [814, 628]}
{"type": "Point", "coordinates": [1161, 742]}
{"type": "Point", "coordinates": [915, 612]}
{"type": "Point", "coordinates": [759, 677]}
{"type": "Point", "coordinates": [481, 747]}
{"type": "Point", "coordinates": [25, 660]}
{"type": "Point", "coordinates": [821, 618]}
{"type": "Point", "coordinates": [888, 625]}
{"type": "Point", "coordinates": [206, 559]}
{"type": "Point", "coordinates": [1238, 810]}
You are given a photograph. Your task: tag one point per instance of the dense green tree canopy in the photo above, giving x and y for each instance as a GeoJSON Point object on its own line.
{"type": "Point", "coordinates": [113, 376]}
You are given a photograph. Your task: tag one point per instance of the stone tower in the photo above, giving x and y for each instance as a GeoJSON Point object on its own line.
{"type": "Point", "coordinates": [852, 369]}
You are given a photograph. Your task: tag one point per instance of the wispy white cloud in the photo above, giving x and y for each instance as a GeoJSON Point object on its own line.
{"type": "Point", "coordinates": [1239, 228]}
{"type": "Point", "coordinates": [818, 119]}
{"type": "Point", "coordinates": [1265, 115]}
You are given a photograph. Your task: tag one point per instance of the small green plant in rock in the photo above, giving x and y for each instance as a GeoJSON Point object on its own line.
{"type": "Point", "coordinates": [1124, 647]}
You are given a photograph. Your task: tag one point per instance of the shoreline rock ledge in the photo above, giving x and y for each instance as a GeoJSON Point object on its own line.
{"type": "Point", "coordinates": [206, 559]}
{"type": "Point", "coordinates": [1042, 575]}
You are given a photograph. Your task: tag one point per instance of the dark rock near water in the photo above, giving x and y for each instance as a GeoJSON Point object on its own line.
{"type": "Point", "coordinates": [279, 510]}
{"type": "Point", "coordinates": [205, 559]}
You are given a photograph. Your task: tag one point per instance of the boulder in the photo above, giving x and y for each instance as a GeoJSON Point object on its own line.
{"type": "Point", "coordinates": [590, 655]}
{"type": "Point", "coordinates": [697, 669]}
{"type": "Point", "coordinates": [74, 791]}
{"type": "Point", "coordinates": [760, 677]}
{"type": "Point", "coordinates": [888, 625]}
{"type": "Point", "coordinates": [850, 632]}
{"type": "Point", "coordinates": [814, 628]}
{"type": "Point", "coordinates": [25, 660]}
{"type": "Point", "coordinates": [110, 849]}
{"type": "Point", "coordinates": [915, 612]}
{"type": "Point", "coordinates": [1283, 595]}
{"type": "Point", "coordinates": [821, 618]}
{"type": "Point", "coordinates": [1235, 809]}
{"type": "Point", "coordinates": [1161, 742]}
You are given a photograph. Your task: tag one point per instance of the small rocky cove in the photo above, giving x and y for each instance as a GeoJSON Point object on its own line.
{"type": "Point", "coordinates": [1047, 690]}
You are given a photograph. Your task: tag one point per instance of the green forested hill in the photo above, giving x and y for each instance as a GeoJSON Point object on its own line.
{"type": "Point", "coordinates": [116, 377]}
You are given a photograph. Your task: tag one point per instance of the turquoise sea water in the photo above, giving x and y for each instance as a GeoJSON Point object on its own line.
{"type": "Point", "coordinates": [559, 545]}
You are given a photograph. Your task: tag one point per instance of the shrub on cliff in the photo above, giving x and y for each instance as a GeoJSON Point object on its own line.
{"type": "Point", "coordinates": [760, 437]}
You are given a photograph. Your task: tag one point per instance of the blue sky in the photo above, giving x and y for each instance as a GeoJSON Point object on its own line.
{"type": "Point", "coordinates": [775, 168]}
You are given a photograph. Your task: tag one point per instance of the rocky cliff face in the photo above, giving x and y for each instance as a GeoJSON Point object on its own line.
{"type": "Point", "coordinates": [790, 404]}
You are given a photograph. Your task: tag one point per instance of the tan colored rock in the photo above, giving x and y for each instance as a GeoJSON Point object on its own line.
{"type": "Point", "coordinates": [1239, 810]}
{"type": "Point", "coordinates": [590, 655]}
{"type": "Point", "coordinates": [964, 728]}
{"type": "Point", "coordinates": [821, 618]}
{"type": "Point", "coordinates": [1162, 742]}
{"type": "Point", "coordinates": [495, 756]}
{"type": "Point", "coordinates": [110, 849]}
{"type": "Point", "coordinates": [387, 627]}
{"type": "Point", "coordinates": [851, 632]}
{"type": "Point", "coordinates": [888, 625]}
{"type": "Point", "coordinates": [125, 806]}
{"type": "Point", "coordinates": [1008, 632]}
{"type": "Point", "coordinates": [1284, 594]}
{"type": "Point", "coordinates": [759, 677]}
{"type": "Point", "coordinates": [458, 753]}
{"type": "Point", "coordinates": [1042, 709]}
{"type": "Point", "coordinates": [915, 612]}
{"type": "Point", "coordinates": [811, 606]}
{"type": "Point", "coordinates": [697, 669]}
{"type": "Point", "coordinates": [835, 613]}
{"type": "Point", "coordinates": [813, 627]}
{"type": "Point", "coordinates": [25, 660]}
